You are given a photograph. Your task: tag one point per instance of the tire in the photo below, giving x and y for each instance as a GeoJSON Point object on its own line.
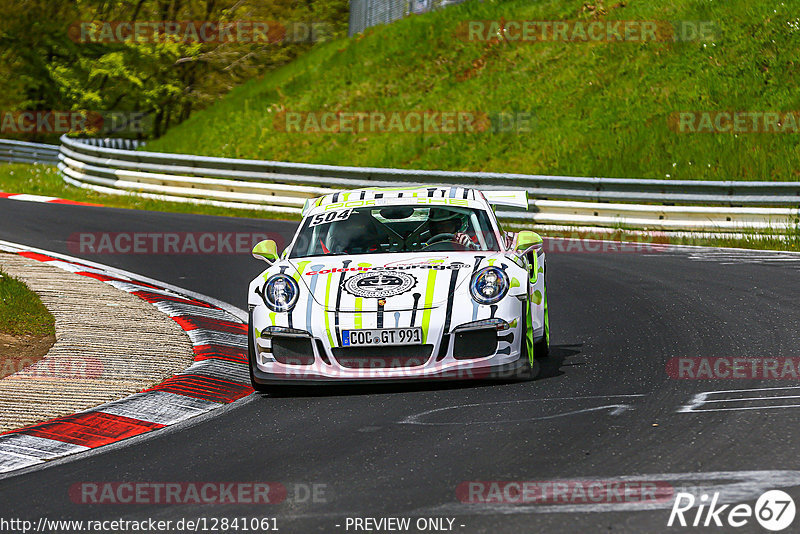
{"type": "Point", "coordinates": [533, 368]}
{"type": "Point", "coordinates": [541, 349]}
{"type": "Point", "coordinates": [530, 371]}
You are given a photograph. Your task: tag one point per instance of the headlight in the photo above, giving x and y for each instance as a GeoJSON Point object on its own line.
{"type": "Point", "coordinates": [280, 293]}
{"type": "Point", "coordinates": [489, 285]}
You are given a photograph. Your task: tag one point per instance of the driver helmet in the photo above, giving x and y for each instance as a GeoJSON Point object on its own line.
{"type": "Point", "coordinates": [438, 216]}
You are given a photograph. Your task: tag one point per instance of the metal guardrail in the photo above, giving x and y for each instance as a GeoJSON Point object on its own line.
{"type": "Point", "coordinates": [284, 187]}
{"type": "Point", "coordinates": [367, 13]}
{"type": "Point", "coordinates": [24, 152]}
{"type": "Point", "coordinates": [113, 142]}
{"type": "Point", "coordinates": [730, 193]}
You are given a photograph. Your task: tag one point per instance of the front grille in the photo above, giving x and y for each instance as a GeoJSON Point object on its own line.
{"type": "Point", "coordinates": [383, 357]}
{"type": "Point", "coordinates": [475, 343]}
{"type": "Point", "coordinates": [292, 350]}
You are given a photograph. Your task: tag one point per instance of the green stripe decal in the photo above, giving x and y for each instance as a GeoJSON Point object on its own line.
{"type": "Point", "coordinates": [546, 318]}
{"type": "Point", "coordinates": [529, 333]}
{"type": "Point", "coordinates": [426, 315]}
{"type": "Point", "coordinates": [300, 268]}
{"type": "Point", "coordinates": [327, 299]}
{"type": "Point", "coordinates": [358, 313]}
{"type": "Point", "coordinates": [535, 270]}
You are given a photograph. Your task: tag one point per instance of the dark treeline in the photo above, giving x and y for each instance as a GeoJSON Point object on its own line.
{"type": "Point", "coordinates": [52, 59]}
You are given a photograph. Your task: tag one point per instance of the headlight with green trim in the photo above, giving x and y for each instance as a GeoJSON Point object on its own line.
{"type": "Point", "coordinates": [489, 285]}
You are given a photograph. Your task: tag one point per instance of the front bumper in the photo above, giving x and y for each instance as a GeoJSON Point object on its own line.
{"type": "Point", "coordinates": [295, 377]}
{"type": "Point", "coordinates": [283, 356]}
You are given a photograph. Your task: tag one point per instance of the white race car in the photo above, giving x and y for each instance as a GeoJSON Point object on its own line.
{"type": "Point", "coordinates": [397, 284]}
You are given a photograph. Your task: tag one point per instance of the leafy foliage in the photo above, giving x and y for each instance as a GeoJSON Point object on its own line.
{"type": "Point", "coordinates": [46, 67]}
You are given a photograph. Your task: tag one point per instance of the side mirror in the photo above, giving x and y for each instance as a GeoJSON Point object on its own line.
{"type": "Point", "coordinates": [266, 250]}
{"type": "Point", "coordinates": [526, 240]}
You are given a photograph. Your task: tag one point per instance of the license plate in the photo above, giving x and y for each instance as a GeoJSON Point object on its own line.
{"type": "Point", "coordinates": [383, 336]}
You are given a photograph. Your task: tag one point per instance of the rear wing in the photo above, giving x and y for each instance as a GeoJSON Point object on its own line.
{"type": "Point", "coordinates": [309, 203]}
{"type": "Point", "coordinates": [517, 199]}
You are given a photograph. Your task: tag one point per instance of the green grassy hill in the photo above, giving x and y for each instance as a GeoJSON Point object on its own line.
{"type": "Point", "coordinates": [599, 108]}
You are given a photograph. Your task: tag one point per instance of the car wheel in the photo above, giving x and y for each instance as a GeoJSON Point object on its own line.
{"type": "Point", "coordinates": [541, 349]}
{"type": "Point", "coordinates": [532, 368]}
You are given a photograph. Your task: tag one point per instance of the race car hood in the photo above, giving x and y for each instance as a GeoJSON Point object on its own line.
{"type": "Point", "coordinates": [405, 282]}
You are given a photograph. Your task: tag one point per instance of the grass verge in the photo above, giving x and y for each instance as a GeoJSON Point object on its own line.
{"type": "Point", "coordinates": [27, 328]}
{"type": "Point", "coordinates": [789, 241]}
{"type": "Point", "coordinates": [21, 311]}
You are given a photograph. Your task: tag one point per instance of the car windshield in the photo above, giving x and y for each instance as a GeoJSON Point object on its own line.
{"type": "Point", "coordinates": [398, 228]}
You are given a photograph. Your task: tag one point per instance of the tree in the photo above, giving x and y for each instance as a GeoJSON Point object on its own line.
{"type": "Point", "coordinates": [49, 61]}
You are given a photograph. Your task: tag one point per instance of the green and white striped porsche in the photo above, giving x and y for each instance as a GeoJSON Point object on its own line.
{"type": "Point", "coordinates": [396, 284]}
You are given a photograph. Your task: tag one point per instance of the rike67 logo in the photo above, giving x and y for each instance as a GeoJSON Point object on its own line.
{"type": "Point", "coordinates": [774, 511]}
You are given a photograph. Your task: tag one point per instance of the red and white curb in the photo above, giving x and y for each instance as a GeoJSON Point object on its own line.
{"type": "Point", "coordinates": [47, 200]}
{"type": "Point", "coordinates": [218, 376]}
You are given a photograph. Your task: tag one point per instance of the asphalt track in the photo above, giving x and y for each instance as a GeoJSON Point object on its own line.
{"type": "Point", "coordinates": [608, 408]}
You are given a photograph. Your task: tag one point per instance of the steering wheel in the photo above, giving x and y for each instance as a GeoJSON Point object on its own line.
{"type": "Point", "coordinates": [441, 239]}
